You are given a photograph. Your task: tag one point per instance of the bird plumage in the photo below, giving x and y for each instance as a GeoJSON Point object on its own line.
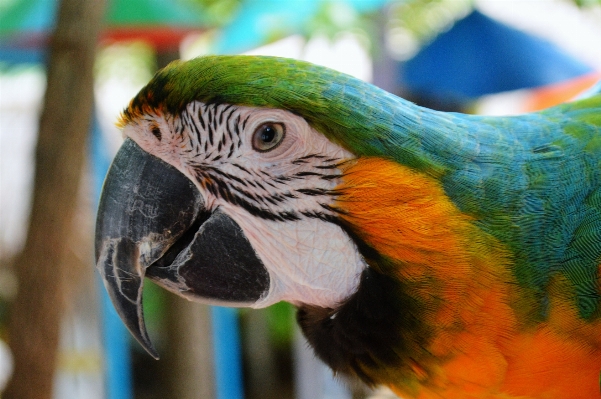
{"type": "Point", "coordinates": [481, 235]}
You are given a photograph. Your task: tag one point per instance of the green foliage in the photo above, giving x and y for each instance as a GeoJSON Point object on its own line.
{"type": "Point", "coordinates": [425, 18]}
{"type": "Point", "coordinates": [412, 23]}
{"type": "Point", "coordinates": [155, 300]}
{"type": "Point", "coordinates": [280, 320]}
{"type": "Point", "coordinates": [220, 12]}
{"type": "Point", "coordinates": [134, 61]}
{"type": "Point", "coordinates": [586, 3]}
{"type": "Point", "coordinates": [334, 17]}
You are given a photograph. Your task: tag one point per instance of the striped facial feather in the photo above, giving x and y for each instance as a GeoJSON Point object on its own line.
{"type": "Point", "coordinates": [212, 145]}
{"type": "Point", "coordinates": [280, 197]}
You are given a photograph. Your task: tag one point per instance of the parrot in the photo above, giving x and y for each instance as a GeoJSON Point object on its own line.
{"type": "Point", "coordinates": [439, 254]}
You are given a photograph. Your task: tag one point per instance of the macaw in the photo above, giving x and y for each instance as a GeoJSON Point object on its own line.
{"type": "Point", "coordinates": [442, 255]}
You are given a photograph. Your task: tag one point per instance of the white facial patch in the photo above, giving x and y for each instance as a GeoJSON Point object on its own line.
{"type": "Point", "coordinates": [280, 197]}
{"type": "Point", "coordinates": [309, 261]}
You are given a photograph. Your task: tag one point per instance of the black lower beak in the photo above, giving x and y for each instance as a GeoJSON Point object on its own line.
{"type": "Point", "coordinates": [152, 222]}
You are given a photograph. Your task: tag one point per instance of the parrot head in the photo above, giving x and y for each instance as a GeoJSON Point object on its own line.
{"type": "Point", "coordinates": [223, 191]}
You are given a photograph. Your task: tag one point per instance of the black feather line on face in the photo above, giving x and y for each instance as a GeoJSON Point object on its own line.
{"type": "Point", "coordinates": [179, 127]}
{"type": "Point", "coordinates": [312, 191]}
{"type": "Point", "coordinates": [299, 161]}
{"type": "Point", "coordinates": [320, 215]}
{"type": "Point", "coordinates": [156, 131]}
{"type": "Point", "coordinates": [220, 118]}
{"type": "Point", "coordinates": [236, 196]}
{"type": "Point", "coordinates": [211, 113]}
{"type": "Point", "coordinates": [196, 132]}
{"type": "Point", "coordinates": [260, 186]}
{"type": "Point", "coordinates": [210, 131]}
{"type": "Point", "coordinates": [236, 129]}
{"type": "Point", "coordinates": [228, 187]}
{"type": "Point", "coordinates": [201, 117]}
{"type": "Point", "coordinates": [224, 174]}
{"type": "Point", "coordinates": [311, 156]}
{"type": "Point", "coordinates": [228, 126]}
{"type": "Point", "coordinates": [332, 166]}
{"type": "Point", "coordinates": [227, 106]}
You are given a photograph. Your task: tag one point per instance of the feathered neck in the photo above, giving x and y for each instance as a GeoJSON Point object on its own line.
{"type": "Point", "coordinates": [432, 274]}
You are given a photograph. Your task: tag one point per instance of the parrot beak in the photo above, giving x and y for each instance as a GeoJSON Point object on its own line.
{"type": "Point", "coordinates": [152, 222]}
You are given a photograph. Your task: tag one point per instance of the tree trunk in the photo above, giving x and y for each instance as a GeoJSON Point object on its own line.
{"type": "Point", "coordinates": [63, 131]}
{"type": "Point", "coordinates": [188, 359]}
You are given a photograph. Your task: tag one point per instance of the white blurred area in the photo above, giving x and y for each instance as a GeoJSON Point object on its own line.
{"type": "Point", "coordinates": [573, 30]}
{"type": "Point", "coordinates": [121, 71]}
{"type": "Point", "coordinates": [345, 53]}
{"type": "Point", "coordinates": [21, 93]}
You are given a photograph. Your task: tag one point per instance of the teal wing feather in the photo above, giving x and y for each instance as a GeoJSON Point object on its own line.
{"type": "Point", "coordinates": [542, 197]}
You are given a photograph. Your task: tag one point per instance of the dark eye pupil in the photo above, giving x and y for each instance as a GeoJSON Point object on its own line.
{"type": "Point", "coordinates": [268, 134]}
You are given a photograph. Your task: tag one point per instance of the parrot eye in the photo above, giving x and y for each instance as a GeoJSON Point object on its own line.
{"type": "Point", "coordinates": [268, 136]}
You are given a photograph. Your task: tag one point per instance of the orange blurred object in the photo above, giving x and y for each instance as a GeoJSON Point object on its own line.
{"type": "Point", "coordinates": [549, 96]}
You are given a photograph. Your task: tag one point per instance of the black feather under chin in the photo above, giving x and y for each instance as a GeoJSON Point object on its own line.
{"type": "Point", "coordinates": [371, 334]}
{"type": "Point", "coordinates": [376, 334]}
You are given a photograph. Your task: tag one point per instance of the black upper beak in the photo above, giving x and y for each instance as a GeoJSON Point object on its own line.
{"type": "Point", "coordinates": [152, 222]}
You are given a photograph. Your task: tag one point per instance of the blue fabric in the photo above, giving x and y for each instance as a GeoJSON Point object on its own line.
{"type": "Point", "coordinates": [14, 55]}
{"type": "Point", "coordinates": [479, 56]}
{"type": "Point", "coordinates": [259, 20]}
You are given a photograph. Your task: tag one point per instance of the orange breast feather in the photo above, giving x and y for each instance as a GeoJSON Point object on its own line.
{"type": "Point", "coordinates": [463, 279]}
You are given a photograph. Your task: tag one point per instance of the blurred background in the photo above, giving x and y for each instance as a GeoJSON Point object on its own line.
{"type": "Point", "coordinates": [67, 68]}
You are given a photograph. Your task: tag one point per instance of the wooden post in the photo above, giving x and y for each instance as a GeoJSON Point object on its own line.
{"type": "Point", "coordinates": [188, 357]}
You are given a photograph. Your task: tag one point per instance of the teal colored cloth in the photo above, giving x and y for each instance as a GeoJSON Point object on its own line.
{"type": "Point", "coordinates": [261, 21]}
